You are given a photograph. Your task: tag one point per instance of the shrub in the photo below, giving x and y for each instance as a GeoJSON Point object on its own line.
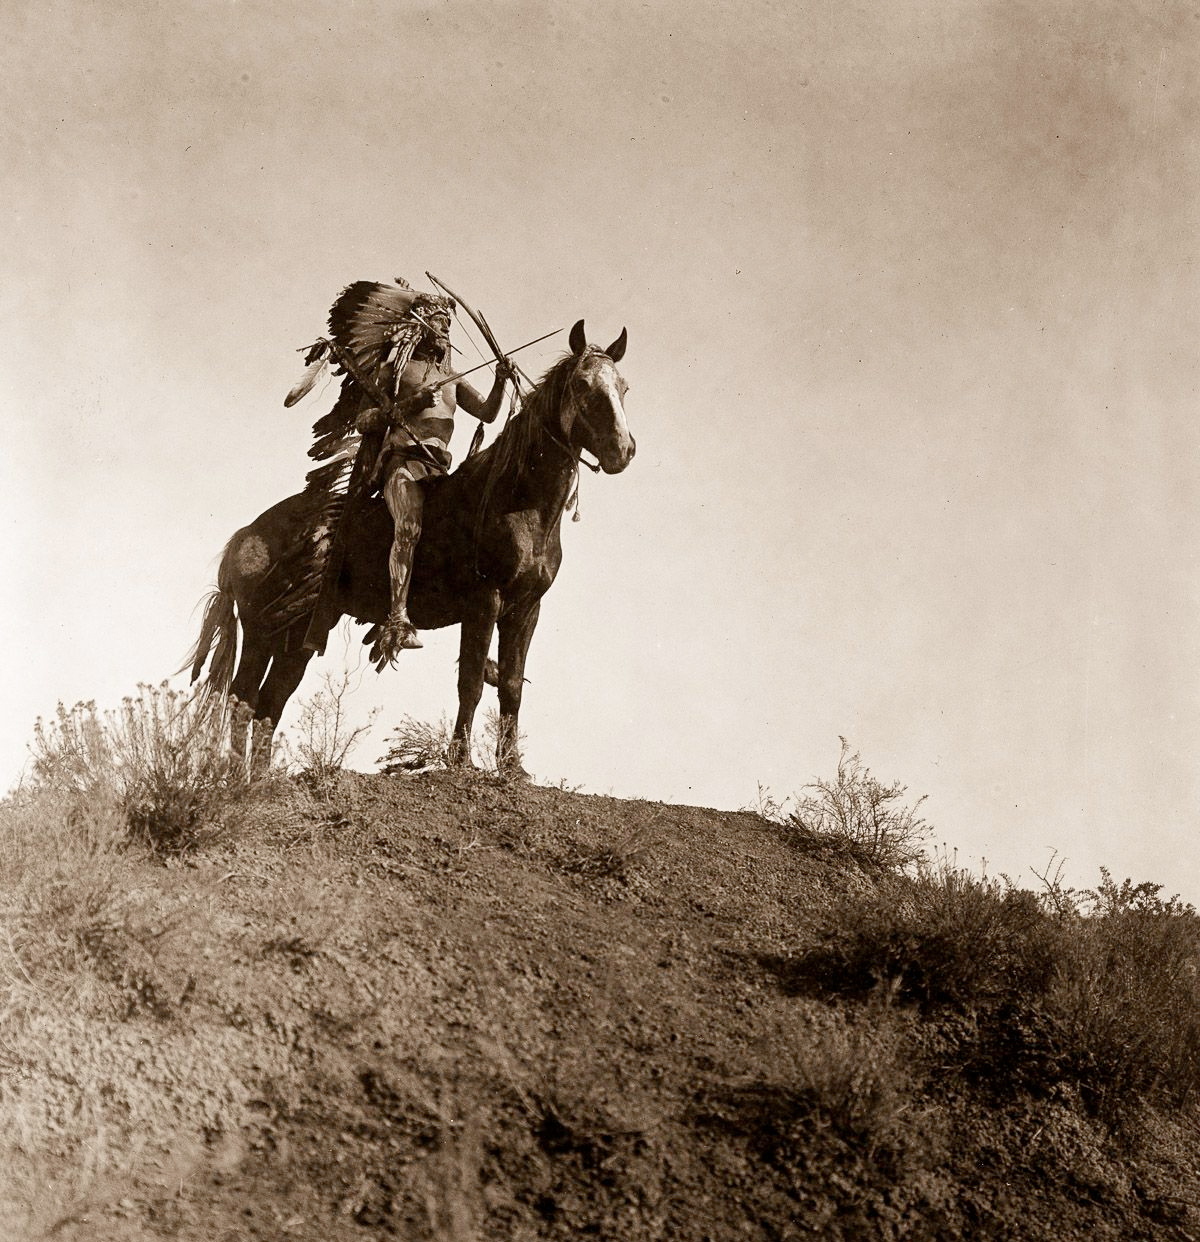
{"type": "Point", "coordinates": [855, 1078]}
{"type": "Point", "coordinates": [1126, 1004]}
{"type": "Point", "coordinates": [861, 813]}
{"type": "Point", "coordinates": [415, 745]}
{"type": "Point", "coordinates": [321, 739]}
{"type": "Point", "coordinates": [1099, 990]}
{"type": "Point", "coordinates": [766, 806]}
{"type": "Point", "coordinates": [844, 1076]}
{"type": "Point", "coordinates": [942, 937]}
{"type": "Point", "coordinates": [62, 880]}
{"type": "Point", "coordinates": [164, 756]}
{"type": "Point", "coordinates": [497, 750]}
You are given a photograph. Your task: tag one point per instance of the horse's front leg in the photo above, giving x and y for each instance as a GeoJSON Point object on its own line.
{"type": "Point", "coordinates": [516, 633]}
{"type": "Point", "coordinates": [473, 647]}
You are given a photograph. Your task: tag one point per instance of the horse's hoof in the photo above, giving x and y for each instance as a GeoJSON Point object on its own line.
{"type": "Point", "coordinates": [459, 755]}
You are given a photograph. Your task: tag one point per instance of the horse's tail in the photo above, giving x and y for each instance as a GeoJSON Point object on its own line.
{"type": "Point", "coordinates": [218, 626]}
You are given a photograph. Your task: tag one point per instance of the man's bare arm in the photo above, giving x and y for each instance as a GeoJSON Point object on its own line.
{"type": "Point", "coordinates": [484, 409]}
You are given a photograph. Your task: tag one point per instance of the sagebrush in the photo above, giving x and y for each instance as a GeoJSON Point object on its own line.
{"type": "Point", "coordinates": [415, 745]}
{"type": "Point", "coordinates": [164, 756]}
{"type": "Point", "coordinates": [322, 738]}
{"type": "Point", "coordinates": [418, 745]}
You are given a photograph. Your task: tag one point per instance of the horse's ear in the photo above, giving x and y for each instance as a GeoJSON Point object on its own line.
{"type": "Point", "coordinates": [578, 339]}
{"type": "Point", "coordinates": [616, 351]}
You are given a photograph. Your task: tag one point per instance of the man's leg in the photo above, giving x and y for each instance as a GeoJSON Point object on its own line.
{"type": "Point", "coordinates": [404, 499]}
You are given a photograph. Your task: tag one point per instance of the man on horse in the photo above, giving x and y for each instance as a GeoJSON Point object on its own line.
{"type": "Point", "coordinates": [396, 409]}
{"type": "Point", "coordinates": [492, 543]}
{"type": "Point", "coordinates": [417, 444]}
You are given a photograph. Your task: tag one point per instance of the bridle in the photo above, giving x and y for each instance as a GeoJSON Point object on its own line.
{"type": "Point", "coordinates": [576, 454]}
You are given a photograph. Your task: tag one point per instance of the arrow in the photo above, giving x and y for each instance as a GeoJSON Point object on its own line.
{"type": "Point", "coordinates": [450, 379]}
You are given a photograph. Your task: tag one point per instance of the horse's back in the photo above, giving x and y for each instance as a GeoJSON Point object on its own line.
{"type": "Point", "coordinates": [259, 544]}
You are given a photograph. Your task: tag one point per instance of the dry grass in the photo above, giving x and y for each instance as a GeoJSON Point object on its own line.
{"type": "Point", "coordinates": [852, 1076]}
{"type": "Point", "coordinates": [416, 746]}
{"type": "Point", "coordinates": [1125, 1005]}
{"type": "Point", "coordinates": [96, 941]}
{"type": "Point", "coordinates": [419, 746]}
{"type": "Point", "coordinates": [1099, 993]}
{"type": "Point", "coordinates": [62, 866]}
{"type": "Point", "coordinates": [93, 945]}
{"type": "Point", "coordinates": [942, 937]}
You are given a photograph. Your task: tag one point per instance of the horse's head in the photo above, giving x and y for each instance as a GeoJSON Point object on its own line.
{"type": "Point", "coordinates": [593, 416]}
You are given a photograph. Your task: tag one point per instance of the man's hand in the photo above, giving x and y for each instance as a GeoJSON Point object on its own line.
{"type": "Point", "coordinates": [506, 370]}
{"type": "Point", "coordinates": [427, 398]}
{"type": "Point", "coordinates": [371, 421]}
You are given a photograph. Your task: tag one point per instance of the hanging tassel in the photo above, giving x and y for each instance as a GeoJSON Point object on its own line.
{"type": "Point", "coordinates": [573, 499]}
{"type": "Point", "coordinates": [476, 441]}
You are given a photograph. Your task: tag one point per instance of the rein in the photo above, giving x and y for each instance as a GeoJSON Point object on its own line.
{"type": "Point", "coordinates": [576, 456]}
{"type": "Point", "coordinates": [574, 453]}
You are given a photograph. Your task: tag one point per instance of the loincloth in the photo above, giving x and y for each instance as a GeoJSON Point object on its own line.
{"type": "Point", "coordinates": [421, 458]}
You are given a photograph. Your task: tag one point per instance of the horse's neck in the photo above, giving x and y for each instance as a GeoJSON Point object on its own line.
{"type": "Point", "coordinates": [548, 475]}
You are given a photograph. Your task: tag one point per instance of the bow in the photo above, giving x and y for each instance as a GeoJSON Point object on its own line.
{"type": "Point", "coordinates": [478, 320]}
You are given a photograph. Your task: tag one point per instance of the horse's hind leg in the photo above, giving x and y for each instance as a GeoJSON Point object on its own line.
{"type": "Point", "coordinates": [251, 670]}
{"type": "Point", "coordinates": [286, 674]}
{"type": "Point", "coordinates": [244, 688]}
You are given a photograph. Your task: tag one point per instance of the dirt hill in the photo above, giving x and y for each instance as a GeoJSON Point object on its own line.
{"type": "Point", "coordinates": [444, 1006]}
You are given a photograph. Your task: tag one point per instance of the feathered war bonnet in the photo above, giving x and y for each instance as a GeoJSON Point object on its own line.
{"type": "Point", "coordinates": [376, 324]}
{"type": "Point", "coordinates": [375, 330]}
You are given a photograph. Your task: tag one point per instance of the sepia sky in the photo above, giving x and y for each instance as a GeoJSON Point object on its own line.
{"type": "Point", "coordinates": [913, 303]}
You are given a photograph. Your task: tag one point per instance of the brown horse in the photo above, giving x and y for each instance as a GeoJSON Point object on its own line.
{"type": "Point", "coordinates": [489, 550]}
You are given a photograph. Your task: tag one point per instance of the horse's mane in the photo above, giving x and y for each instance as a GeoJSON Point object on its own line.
{"type": "Point", "coordinates": [509, 455]}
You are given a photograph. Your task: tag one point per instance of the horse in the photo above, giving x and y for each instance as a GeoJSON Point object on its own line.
{"type": "Point", "coordinates": [489, 550]}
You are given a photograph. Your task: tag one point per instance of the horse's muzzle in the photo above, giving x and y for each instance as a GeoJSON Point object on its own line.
{"type": "Point", "coordinates": [614, 461]}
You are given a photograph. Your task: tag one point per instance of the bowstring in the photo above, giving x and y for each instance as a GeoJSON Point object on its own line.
{"type": "Point", "coordinates": [479, 352]}
{"type": "Point", "coordinates": [477, 437]}
{"type": "Point", "coordinates": [514, 396]}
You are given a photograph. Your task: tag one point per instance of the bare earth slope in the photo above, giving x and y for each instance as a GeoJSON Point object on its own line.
{"type": "Point", "coordinates": [447, 1007]}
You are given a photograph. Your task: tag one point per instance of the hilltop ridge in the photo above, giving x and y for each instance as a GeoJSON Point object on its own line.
{"type": "Point", "coordinates": [446, 1006]}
